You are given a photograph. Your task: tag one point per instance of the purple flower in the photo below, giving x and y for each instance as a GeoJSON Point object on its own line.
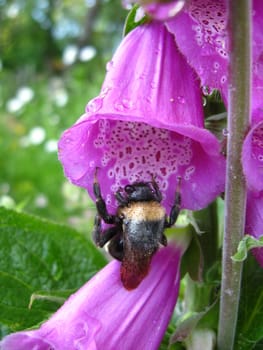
{"type": "Point", "coordinates": [254, 220]}
{"type": "Point", "coordinates": [202, 35]}
{"type": "Point", "coordinates": [200, 31]}
{"type": "Point", "coordinates": [252, 157]}
{"type": "Point", "coordinates": [104, 315]}
{"type": "Point", "coordinates": [148, 120]}
{"type": "Point", "coordinates": [252, 160]}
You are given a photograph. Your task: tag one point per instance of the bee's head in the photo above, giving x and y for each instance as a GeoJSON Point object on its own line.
{"type": "Point", "coordinates": [140, 191]}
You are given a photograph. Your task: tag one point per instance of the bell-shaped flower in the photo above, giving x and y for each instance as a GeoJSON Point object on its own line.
{"type": "Point", "coordinates": [202, 34]}
{"type": "Point", "coordinates": [104, 315]}
{"type": "Point", "coordinates": [147, 121]}
{"type": "Point", "coordinates": [200, 31]}
{"type": "Point", "coordinates": [252, 160]}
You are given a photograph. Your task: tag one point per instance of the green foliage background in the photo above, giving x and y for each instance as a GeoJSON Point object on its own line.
{"type": "Point", "coordinates": [35, 35]}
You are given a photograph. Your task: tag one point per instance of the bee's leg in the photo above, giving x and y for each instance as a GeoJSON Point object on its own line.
{"type": "Point", "coordinates": [100, 203]}
{"type": "Point", "coordinates": [158, 193]}
{"type": "Point", "coordinates": [116, 247]}
{"type": "Point", "coordinates": [100, 236]}
{"type": "Point", "coordinates": [175, 208]}
{"type": "Point", "coordinates": [163, 240]}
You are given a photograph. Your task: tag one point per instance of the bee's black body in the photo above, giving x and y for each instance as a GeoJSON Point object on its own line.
{"type": "Point", "coordinates": [137, 228]}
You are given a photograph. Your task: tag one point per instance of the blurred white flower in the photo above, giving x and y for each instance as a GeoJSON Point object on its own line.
{"type": "Point", "coordinates": [41, 201]}
{"type": "Point", "coordinates": [69, 55]}
{"type": "Point", "coordinates": [25, 94]}
{"type": "Point", "coordinates": [51, 146]}
{"type": "Point", "coordinates": [87, 53]}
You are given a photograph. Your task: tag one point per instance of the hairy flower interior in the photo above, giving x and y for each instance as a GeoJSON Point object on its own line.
{"type": "Point", "coordinates": [211, 19]}
{"type": "Point", "coordinates": [135, 151]}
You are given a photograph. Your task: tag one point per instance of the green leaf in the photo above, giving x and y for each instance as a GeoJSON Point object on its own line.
{"type": "Point", "coordinates": [131, 21]}
{"type": "Point", "coordinates": [190, 321]}
{"type": "Point", "coordinates": [38, 255]}
{"type": "Point", "coordinates": [192, 260]}
{"type": "Point", "coordinates": [246, 244]}
{"type": "Point", "coordinates": [250, 318]}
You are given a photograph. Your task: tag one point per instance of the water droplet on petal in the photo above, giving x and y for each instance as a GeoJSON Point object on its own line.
{"type": "Point", "coordinates": [207, 90]}
{"type": "Point", "coordinates": [181, 99]}
{"type": "Point", "coordinates": [225, 132]}
{"type": "Point", "coordinates": [128, 104]}
{"type": "Point", "coordinates": [109, 65]}
{"type": "Point", "coordinates": [105, 91]}
{"type": "Point", "coordinates": [119, 106]}
{"type": "Point", "coordinates": [94, 105]}
{"type": "Point", "coordinates": [153, 85]}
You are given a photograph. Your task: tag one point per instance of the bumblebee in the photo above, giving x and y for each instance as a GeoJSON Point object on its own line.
{"type": "Point", "coordinates": [137, 228]}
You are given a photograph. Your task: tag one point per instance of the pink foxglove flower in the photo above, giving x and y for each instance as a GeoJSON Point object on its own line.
{"type": "Point", "coordinates": [252, 159]}
{"type": "Point", "coordinates": [104, 315]}
{"type": "Point", "coordinates": [200, 31]}
{"type": "Point", "coordinates": [148, 120]}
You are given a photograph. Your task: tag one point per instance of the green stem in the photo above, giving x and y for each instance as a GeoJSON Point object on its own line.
{"type": "Point", "coordinates": [238, 122]}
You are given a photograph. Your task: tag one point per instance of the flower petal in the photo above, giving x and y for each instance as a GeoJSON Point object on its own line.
{"type": "Point", "coordinates": [104, 315]}
{"type": "Point", "coordinates": [144, 123]}
{"type": "Point", "coordinates": [254, 220]}
{"type": "Point", "coordinates": [257, 92]}
{"type": "Point", "coordinates": [252, 157]}
{"type": "Point", "coordinates": [201, 35]}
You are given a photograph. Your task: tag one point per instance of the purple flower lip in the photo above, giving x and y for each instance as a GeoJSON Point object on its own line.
{"type": "Point", "coordinates": [104, 315]}
{"type": "Point", "coordinates": [144, 123]}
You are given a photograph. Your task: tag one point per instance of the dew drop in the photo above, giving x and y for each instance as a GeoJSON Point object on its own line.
{"type": "Point", "coordinates": [260, 157]}
{"type": "Point", "coordinates": [119, 106]}
{"type": "Point", "coordinates": [207, 90]}
{"type": "Point", "coordinates": [181, 99]}
{"type": "Point", "coordinates": [109, 65]}
{"type": "Point", "coordinates": [225, 132]}
{"type": "Point", "coordinates": [153, 85]}
{"type": "Point", "coordinates": [128, 104]}
{"type": "Point", "coordinates": [94, 105]}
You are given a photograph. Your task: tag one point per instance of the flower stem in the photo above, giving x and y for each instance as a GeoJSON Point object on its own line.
{"type": "Point", "coordinates": [235, 195]}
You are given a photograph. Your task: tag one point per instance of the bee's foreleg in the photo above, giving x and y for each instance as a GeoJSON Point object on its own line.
{"type": "Point", "coordinates": [100, 203]}
{"type": "Point", "coordinates": [175, 210]}
{"type": "Point", "coordinates": [100, 236]}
